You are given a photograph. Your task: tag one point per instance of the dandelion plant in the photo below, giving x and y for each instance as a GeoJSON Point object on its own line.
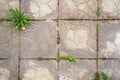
{"type": "Point", "coordinates": [19, 20]}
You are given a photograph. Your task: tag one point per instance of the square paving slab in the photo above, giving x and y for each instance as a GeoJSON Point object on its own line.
{"type": "Point", "coordinates": [9, 69]}
{"type": "Point", "coordinates": [5, 5]}
{"type": "Point", "coordinates": [78, 9]}
{"type": "Point", "coordinates": [9, 41]}
{"type": "Point", "coordinates": [39, 40]}
{"type": "Point", "coordinates": [109, 8]}
{"type": "Point", "coordinates": [109, 39]}
{"type": "Point", "coordinates": [78, 38]}
{"type": "Point", "coordinates": [40, 9]}
{"type": "Point", "coordinates": [81, 70]}
{"type": "Point", "coordinates": [111, 67]}
{"type": "Point", "coordinates": [38, 70]}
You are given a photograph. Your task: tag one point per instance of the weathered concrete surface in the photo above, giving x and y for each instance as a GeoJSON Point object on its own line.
{"type": "Point", "coordinates": [109, 8]}
{"type": "Point", "coordinates": [9, 41]}
{"type": "Point", "coordinates": [78, 9]}
{"type": "Point", "coordinates": [40, 9]}
{"type": "Point", "coordinates": [5, 5]}
{"type": "Point", "coordinates": [111, 67]}
{"type": "Point", "coordinates": [38, 70]}
{"type": "Point", "coordinates": [109, 39]}
{"type": "Point", "coordinates": [9, 69]}
{"type": "Point", "coordinates": [78, 38]}
{"type": "Point", "coordinates": [81, 70]}
{"type": "Point", "coordinates": [39, 40]}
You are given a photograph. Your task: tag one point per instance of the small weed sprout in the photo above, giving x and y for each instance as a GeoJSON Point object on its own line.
{"type": "Point", "coordinates": [69, 58]}
{"type": "Point", "coordinates": [93, 78]}
{"type": "Point", "coordinates": [104, 76]}
{"type": "Point", "coordinates": [1, 19]}
{"type": "Point", "coordinates": [19, 20]}
{"type": "Point", "coordinates": [98, 12]}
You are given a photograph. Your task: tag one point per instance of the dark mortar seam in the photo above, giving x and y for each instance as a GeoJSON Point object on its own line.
{"type": "Point", "coordinates": [19, 47]}
{"type": "Point", "coordinates": [55, 58]}
{"type": "Point", "coordinates": [112, 19]}
{"type": "Point", "coordinates": [97, 41]}
{"type": "Point", "coordinates": [58, 40]}
{"type": "Point", "coordinates": [4, 58]}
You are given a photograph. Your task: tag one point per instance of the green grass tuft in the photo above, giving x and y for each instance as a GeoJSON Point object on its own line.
{"type": "Point", "coordinates": [19, 20]}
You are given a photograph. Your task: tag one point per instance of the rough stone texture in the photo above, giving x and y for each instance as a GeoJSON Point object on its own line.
{"type": "Point", "coordinates": [5, 5]}
{"type": "Point", "coordinates": [109, 39]}
{"type": "Point", "coordinates": [9, 41]}
{"type": "Point", "coordinates": [38, 70]}
{"type": "Point", "coordinates": [39, 40]}
{"type": "Point", "coordinates": [8, 69]}
{"type": "Point", "coordinates": [81, 70]}
{"type": "Point", "coordinates": [78, 9]}
{"type": "Point", "coordinates": [78, 38]}
{"type": "Point", "coordinates": [111, 67]}
{"type": "Point", "coordinates": [109, 8]}
{"type": "Point", "coordinates": [40, 9]}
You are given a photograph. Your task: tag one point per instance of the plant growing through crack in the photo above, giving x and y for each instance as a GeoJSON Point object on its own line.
{"type": "Point", "coordinates": [104, 76]}
{"type": "Point", "coordinates": [1, 19]}
{"type": "Point", "coordinates": [69, 58]}
{"type": "Point", "coordinates": [98, 12]}
{"type": "Point", "coordinates": [109, 18]}
{"type": "Point", "coordinates": [93, 78]}
{"type": "Point", "coordinates": [19, 20]}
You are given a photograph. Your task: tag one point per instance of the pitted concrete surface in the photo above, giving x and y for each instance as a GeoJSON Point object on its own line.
{"type": "Point", "coordinates": [61, 28]}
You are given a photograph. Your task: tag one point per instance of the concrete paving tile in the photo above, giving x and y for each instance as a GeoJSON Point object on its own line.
{"type": "Point", "coordinates": [81, 70]}
{"type": "Point", "coordinates": [38, 70]}
{"type": "Point", "coordinates": [78, 38]}
{"type": "Point", "coordinates": [5, 5]}
{"type": "Point", "coordinates": [40, 9]}
{"type": "Point", "coordinates": [111, 67]}
{"type": "Point", "coordinates": [109, 8]}
{"type": "Point", "coordinates": [78, 9]}
{"type": "Point", "coordinates": [8, 69]}
{"type": "Point", "coordinates": [109, 39]}
{"type": "Point", "coordinates": [9, 41]}
{"type": "Point", "coordinates": [39, 40]}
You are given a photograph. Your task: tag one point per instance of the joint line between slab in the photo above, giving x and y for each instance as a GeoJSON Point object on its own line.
{"type": "Point", "coordinates": [19, 47]}
{"type": "Point", "coordinates": [58, 41]}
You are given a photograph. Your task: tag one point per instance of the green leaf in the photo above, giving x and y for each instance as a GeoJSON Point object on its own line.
{"type": "Point", "coordinates": [105, 76]}
{"type": "Point", "coordinates": [58, 59]}
{"type": "Point", "coordinates": [18, 25]}
{"type": "Point", "coordinates": [1, 19]}
{"type": "Point", "coordinates": [71, 59]}
{"type": "Point", "coordinates": [93, 78]}
{"type": "Point", "coordinates": [12, 11]}
{"type": "Point", "coordinates": [98, 12]}
{"type": "Point", "coordinates": [10, 25]}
